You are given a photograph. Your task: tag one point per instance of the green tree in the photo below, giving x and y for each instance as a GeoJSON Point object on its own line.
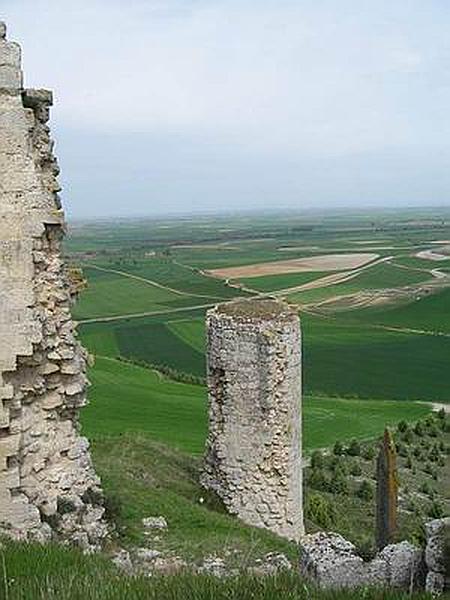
{"type": "Point", "coordinates": [338, 448]}
{"type": "Point", "coordinates": [365, 491]}
{"type": "Point", "coordinates": [317, 460]}
{"type": "Point", "coordinates": [354, 449]}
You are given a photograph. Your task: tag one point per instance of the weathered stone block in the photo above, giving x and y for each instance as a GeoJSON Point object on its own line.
{"type": "Point", "coordinates": [332, 562]}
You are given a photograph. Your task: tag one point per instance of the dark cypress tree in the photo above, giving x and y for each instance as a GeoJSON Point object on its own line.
{"type": "Point", "coordinates": [387, 492]}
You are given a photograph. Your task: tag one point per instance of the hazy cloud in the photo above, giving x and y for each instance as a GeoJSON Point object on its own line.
{"type": "Point", "coordinates": [244, 102]}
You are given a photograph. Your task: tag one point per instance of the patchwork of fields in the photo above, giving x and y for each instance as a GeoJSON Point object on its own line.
{"type": "Point", "coordinates": [310, 264]}
{"type": "Point", "coordinates": [148, 291]}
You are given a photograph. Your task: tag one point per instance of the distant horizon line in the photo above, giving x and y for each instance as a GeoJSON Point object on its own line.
{"type": "Point", "coordinates": [257, 211]}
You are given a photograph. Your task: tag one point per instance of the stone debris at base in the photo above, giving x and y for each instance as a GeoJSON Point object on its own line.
{"type": "Point", "coordinates": [332, 562]}
{"type": "Point", "coordinates": [437, 556]}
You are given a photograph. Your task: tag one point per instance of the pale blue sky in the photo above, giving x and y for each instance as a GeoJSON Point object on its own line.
{"type": "Point", "coordinates": [179, 106]}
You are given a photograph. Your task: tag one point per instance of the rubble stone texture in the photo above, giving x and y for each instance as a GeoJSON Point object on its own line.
{"type": "Point", "coordinates": [253, 452]}
{"type": "Point", "coordinates": [47, 482]}
{"type": "Point", "coordinates": [332, 562]}
{"type": "Point", "coordinates": [437, 556]}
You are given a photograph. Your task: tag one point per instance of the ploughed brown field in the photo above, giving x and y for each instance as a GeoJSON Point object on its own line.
{"type": "Point", "coordinates": [323, 262]}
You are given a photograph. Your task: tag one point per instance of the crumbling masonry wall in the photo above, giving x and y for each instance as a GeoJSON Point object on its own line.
{"type": "Point", "coordinates": [253, 453]}
{"type": "Point", "coordinates": [47, 482]}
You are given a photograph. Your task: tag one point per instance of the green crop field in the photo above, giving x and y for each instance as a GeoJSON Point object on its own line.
{"type": "Point", "coordinates": [351, 359]}
{"type": "Point", "coordinates": [111, 294]}
{"type": "Point", "coordinates": [341, 357]}
{"type": "Point", "coordinates": [381, 276]}
{"type": "Point", "coordinates": [126, 398]}
{"type": "Point", "coordinates": [157, 344]}
{"type": "Point", "coordinates": [348, 354]}
{"type": "Point", "coordinates": [165, 271]}
{"type": "Point", "coordinates": [429, 313]}
{"type": "Point", "coordinates": [102, 338]}
{"type": "Point", "coordinates": [191, 332]}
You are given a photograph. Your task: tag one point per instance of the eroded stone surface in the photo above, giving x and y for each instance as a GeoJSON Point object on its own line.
{"type": "Point", "coordinates": [437, 556]}
{"type": "Point", "coordinates": [333, 562]}
{"type": "Point", "coordinates": [253, 454]}
{"type": "Point", "coordinates": [47, 482]}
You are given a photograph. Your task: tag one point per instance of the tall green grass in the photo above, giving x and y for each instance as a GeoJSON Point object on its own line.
{"type": "Point", "coordinates": [31, 572]}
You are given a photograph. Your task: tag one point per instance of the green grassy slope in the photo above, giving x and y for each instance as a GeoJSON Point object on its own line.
{"type": "Point", "coordinates": [341, 357]}
{"type": "Point", "coordinates": [156, 344]}
{"type": "Point", "coordinates": [129, 398]}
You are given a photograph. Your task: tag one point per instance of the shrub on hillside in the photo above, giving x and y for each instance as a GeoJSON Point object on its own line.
{"type": "Point", "coordinates": [418, 453]}
{"type": "Point", "coordinates": [318, 480]}
{"type": "Point", "coordinates": [365, 491]}
{"type": "Point", "coordinates": [426, 489]}
{"type": "Point", "coordinates": [402, 450]}
{"type": "Point", "coordinates": [402, 426]}
{"type": "Point", "coordinates": [317, 460]}
{"type": "Point", "coordinates": [436, 510]}
{"type": "Point", "coordinates": [321, 511]}
{"type": "Point", "coordinates": [338, 448]}
{"type": "Point", "coordinates": [407, 437]}
{"type": "Point", "coordinates": [355, 469]}
{"type": "Point", "coordinates": [338, 463]}
{"type": "Point", "coordinates": [354, 449]}
{"type": "Point", "coordinates": [338, 483]}
{"type": "Point", "coordinates": [366, 549]}
{"type": "Point", "coordinates": [368, 452]}
{"type": "Point", "coordinates": [419, 429]}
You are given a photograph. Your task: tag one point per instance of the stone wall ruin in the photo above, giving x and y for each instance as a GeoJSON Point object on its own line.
{"type": "Point", "coordinates": [47, 482]}
{"type": "Point", "coordinates": [253, 453]}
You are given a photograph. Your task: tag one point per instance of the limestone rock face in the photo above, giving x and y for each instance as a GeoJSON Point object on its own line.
{"type": "Point", "coordinates": [332, 562]}
{"type": "Point", "coordinates": [437, 556]}
{"type": "Point", "coordinates": [47, 482]}
{"type": "Point", "coordinates": [253, 453]}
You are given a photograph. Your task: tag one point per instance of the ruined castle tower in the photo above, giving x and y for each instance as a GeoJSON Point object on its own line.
{"type": "Point", "coordinates": [253, 454]}
{"type": "Point", "coordinates": [47, 482]}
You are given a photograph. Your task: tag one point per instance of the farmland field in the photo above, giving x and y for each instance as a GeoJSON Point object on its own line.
{"type": "Point", "coordinates": [376, 345]}
{"type": "Point", "coordinates": [150, 278]}
{"type": "Point", "coordinates": [147, 403]}
{"type": "Point", "coordinates": [381, 276]}
{"type": "Point", "coordinates": [272, 283]}
{"type": "Point", "coordinates": [324, 262]}
{"type": "Point", "coordinates": [431, 313]}
{"type": "Point", "coordinates": [111, 294]}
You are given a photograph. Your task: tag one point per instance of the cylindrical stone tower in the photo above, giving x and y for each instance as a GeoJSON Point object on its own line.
{"type": "Point", "coordinates": [253, 452]}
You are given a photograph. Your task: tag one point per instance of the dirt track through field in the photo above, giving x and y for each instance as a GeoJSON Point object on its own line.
{"type": "Point", "coordinates": [144, 314]}
{"type": "Point", "coordinates": [151, 282]}
{"type": "Point", "coordinates": [324, 262]}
